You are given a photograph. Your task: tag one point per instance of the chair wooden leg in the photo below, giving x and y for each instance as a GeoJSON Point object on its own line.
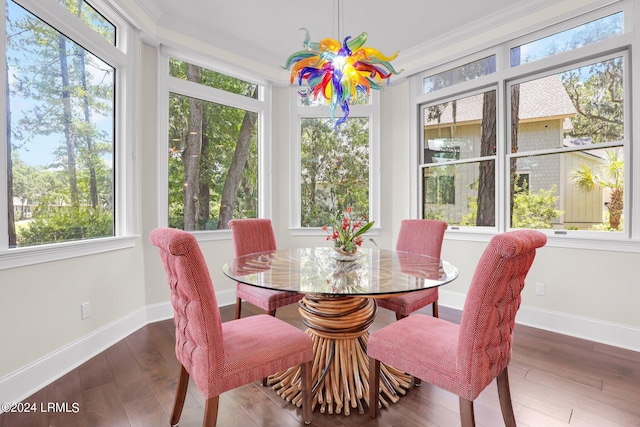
{"type": "Point", "coordinates": [400, 316]}
{"type": "Point", "coordinates": [238, 308]}
{"type": "Point", "coordinates": [434, 308]}
{"type": "Point", "coordinates": [374, 386]}
{"type": "Point", "coordinates": [504, 394]}
{"type": "Point", "coordinates": [211, 412]}
{"type": "Point", "coordinates": [265, 380]}
{"type": "Point", "coordinates": [467, 418]}
{"type": "Point", "coordinates": [307, 383]}
{"type": "Point", "coordinates": [181, 393]}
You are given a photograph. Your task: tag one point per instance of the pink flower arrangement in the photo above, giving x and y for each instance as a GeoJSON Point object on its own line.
{"type": "Point", "coordinates": [347, 233]}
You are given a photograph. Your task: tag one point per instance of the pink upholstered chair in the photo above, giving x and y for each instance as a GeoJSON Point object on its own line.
{"type": "Point", "coordinates": [465, 358]}
{"type": "Point", "coordinates": [222, 356]}
{"type": "Point", "coordinates": [256, 235]}
{"type": "Point", "coordinates": [424, 237]}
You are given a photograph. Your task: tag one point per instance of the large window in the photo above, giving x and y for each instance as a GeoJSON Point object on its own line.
{"type": "Point", "coordinates": [334, 169]}
{"type": "Point", "coordinates": [547, 149]}
{"type": "Point", "coordinates": [60, 123]}
{"type": "Point", "coordinates": [214, 122]}
{"type": "Point", "coordinates": [335, 164]}
{"type": "Point", "coordinates": [572, 148]}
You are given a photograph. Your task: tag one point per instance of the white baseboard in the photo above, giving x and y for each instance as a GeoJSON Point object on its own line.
{"type": "Point", "coordinates": [27, 380]}
{"type": "Point", "coordinates": [22, 383]}
{"type": "Point", "coordinates": [609, 333]}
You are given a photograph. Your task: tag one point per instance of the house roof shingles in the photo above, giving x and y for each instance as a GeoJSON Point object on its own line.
{"type": "Point", "coordinates": [539, 99]}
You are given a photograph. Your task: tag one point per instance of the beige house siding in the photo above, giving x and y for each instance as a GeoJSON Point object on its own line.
{"type": "Point", "coordinates": [467, 137]}
{"type": "Point", "coordinates": [580, 209]}
{"type": "Point", "coordinates": [544, 109]}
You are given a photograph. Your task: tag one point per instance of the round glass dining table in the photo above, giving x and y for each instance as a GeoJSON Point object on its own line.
{"type": "Point", "coordinates": [338, 309]}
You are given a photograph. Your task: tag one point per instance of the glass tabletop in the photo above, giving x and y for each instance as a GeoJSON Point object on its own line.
{"type": "Point", "coordinates": [321, 270]}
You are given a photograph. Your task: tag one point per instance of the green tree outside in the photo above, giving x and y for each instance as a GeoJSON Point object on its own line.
{"type": "Point", "coordinates": [334, 169]}
{"type": "Point", "coordinates": [64, 89]}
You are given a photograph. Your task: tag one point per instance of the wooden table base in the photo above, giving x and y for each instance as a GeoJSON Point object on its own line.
{"type": "Point", "coordinates": [339, 327]}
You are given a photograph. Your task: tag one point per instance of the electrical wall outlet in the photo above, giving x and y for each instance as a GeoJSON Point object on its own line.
{"type": "Point", "coordinates": [85, 309]}
{"type": "Point", "coordinates": [539, 288]}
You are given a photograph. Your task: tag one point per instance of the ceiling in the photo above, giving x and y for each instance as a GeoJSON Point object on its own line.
{"type": "Point", "coordinates": [268, 31]}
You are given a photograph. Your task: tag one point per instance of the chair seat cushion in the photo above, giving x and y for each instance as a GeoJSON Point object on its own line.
{"type": "Point", "coordinates": [407, 303]}
{"type": "Point", "coordinates": [402, 345]}
{"type": "Point", "coordinates": [266, 299]}
{"type": "Point", "coordinates": [258, 346]}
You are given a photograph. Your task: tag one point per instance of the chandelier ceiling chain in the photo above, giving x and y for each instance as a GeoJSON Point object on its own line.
{"type": "Point", "coordinates": [336, 71]}
{"type": "Point", "coordinates": [338, 19]}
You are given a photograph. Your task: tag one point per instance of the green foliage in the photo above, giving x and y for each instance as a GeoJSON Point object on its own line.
{"type": "Point", "coordinates": [64, 224]}
{"type": "Point", "coordinates": [609, 174]}
{"type": "Point", "coordinates": [470, 219]}
{"type": "Point", "coordinates": [605, 225]}
{"type": "Point", "coordinates": [91, 17]}
{"type": "Point", "coordinates": [435, 213]}
{"type": "Point", "coordinates": [348, 229]}
{"type": "Point", "coordinates": [214, 79]}
{"type": "Point", "coordinates": [599, 100]}
{"type": "Point", "coordinates": [220, 135]}
{"type": "Point", "coordinates": [62, 92]}
{"type": "Point", "coordinates": [472, 209]}
{"type": "Point", "coordinates": [535, 210]}
{"type": "Point", "coordinates": [334, 169]}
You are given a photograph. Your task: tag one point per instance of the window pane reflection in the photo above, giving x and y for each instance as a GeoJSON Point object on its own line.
{"type": "Point", "coordinates": [460, 194]}
{"type": "Point", "coordinates": [470, 71]}
{"type": "Point", "coordinates": [573, 38]}
{"type": "Point", "coordinates": [460, 129]}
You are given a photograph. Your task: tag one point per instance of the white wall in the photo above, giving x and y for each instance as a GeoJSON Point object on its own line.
{"type": "Point", "coordinates": [588, 293]}
{"type": "Point", "coordinates": [40, 315]}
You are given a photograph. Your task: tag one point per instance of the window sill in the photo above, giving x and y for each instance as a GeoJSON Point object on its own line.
{"type": "Point", "coordinates": [599, 243]}
{"type": "Point", "coordinates": [212, 235]}
{"type": "Point", "coordinates": [46, 253]}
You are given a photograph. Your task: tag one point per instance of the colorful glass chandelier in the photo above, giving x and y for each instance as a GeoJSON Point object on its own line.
{"type": "Point", "coordinates": [336, 71]}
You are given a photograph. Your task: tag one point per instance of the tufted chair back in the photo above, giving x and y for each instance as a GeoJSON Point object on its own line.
{"type": "Point", "coordinates": [421, 236]}
{"type": "Point", "coordinates": [199, 342]}
{"type": "Point", "coordinates": [256, 235]}
{"type": "Point", "coordinates": [464, 358]}
{"type": "Point", "coordinates": [252, 235]}
{"type": "Point", "coordinates": [488, 318]}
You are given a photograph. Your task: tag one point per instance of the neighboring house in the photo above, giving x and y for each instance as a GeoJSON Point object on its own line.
{"type": "Point", "coordinates": [22, 208]}
{"type": "Point", "coordinates": [545, 110]}
{"type": "Point", "coordinates": [25, 208]}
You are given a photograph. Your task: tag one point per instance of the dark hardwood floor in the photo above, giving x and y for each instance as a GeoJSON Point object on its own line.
{"type": "Point", "coordinates": [556, 380]}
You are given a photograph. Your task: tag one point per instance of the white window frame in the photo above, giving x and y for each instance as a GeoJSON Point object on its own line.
{"type": "Point", "coordinates": [450, 95]}
{"type": "Point", "coordinates": [626, 241]}
{"type": "Point", "coordinates": [372, 112]}
{"type": "Point", "coordinates": [262, 106]}
{"type": "Point", "coordinates": [124, 58]}
{"type": "Point", "coordinates": [625, 143]}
